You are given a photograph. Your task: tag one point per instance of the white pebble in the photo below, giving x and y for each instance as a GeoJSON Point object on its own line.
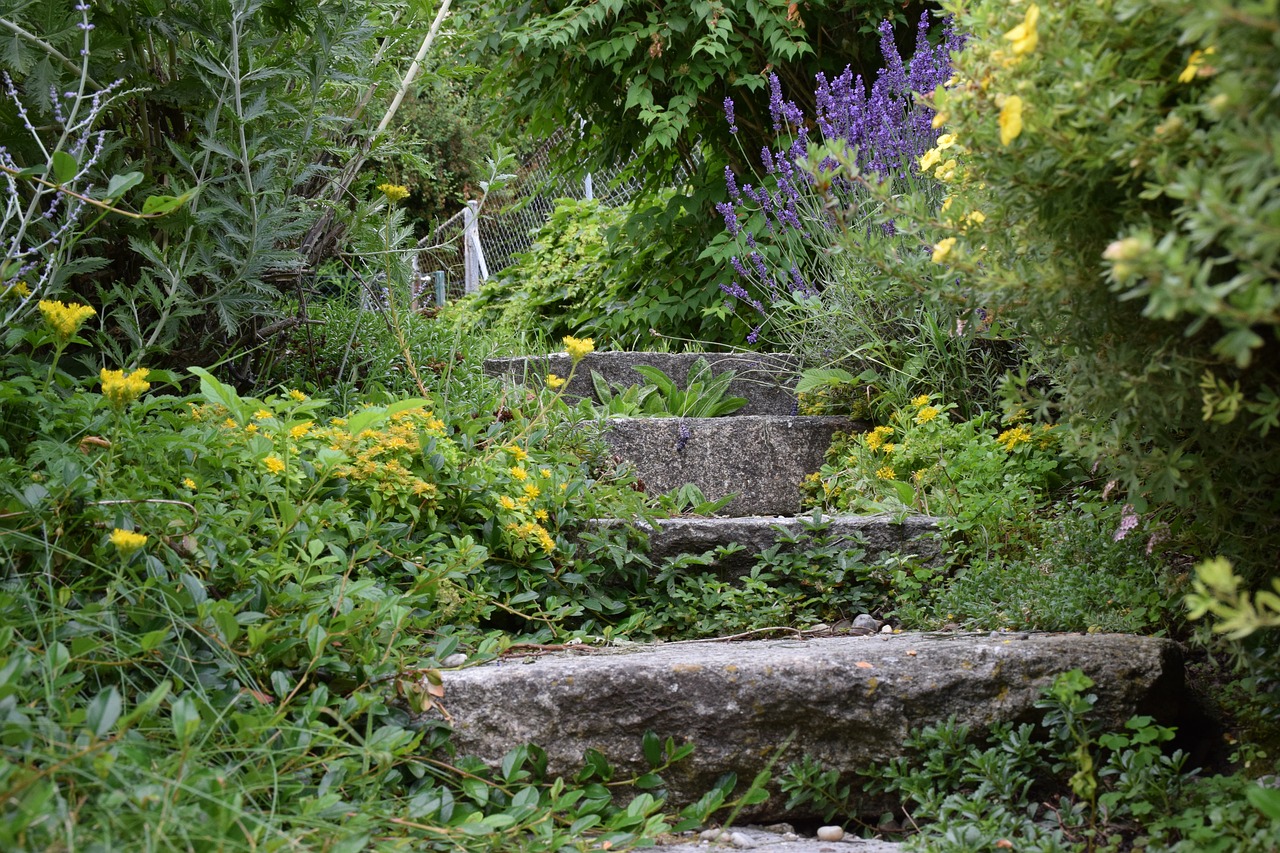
{"type": "Point", "coordinates": [830, 833]}
{"type": "Point", "coordinates": [886, 629]}
{"type": "Point", "coordinates": [741, 839]}
{"type": "Point", "coordinates": [455, 659]}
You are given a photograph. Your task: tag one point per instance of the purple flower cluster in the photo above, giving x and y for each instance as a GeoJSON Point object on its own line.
{"type": "Point", "coordinates": [884, 131]}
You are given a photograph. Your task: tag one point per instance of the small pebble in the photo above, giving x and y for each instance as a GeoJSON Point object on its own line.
{"type": "Point", "coordinates": [887, 629]}
{"type": "Point", "coordinates": [830, 833]}
{"type": "Point", "coordinates": [711, 834]}
{"type": "Point", "coordinates": [741, 839]}
{"type": "Point", "coordinates": [455, 659]}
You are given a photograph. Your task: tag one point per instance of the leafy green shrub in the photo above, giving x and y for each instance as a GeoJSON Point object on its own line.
{"type": "Point", "coordinates": [556, 286]}
{"type": "Point", "coordinates": [800, 580]}
{"type": "Point", "coordinates": [925, 461]}
{"type": "Point", "coordinates": [702, 395]}
{"type": "Point", "coordinates": [1067, 573]}
{"type": "Point", "coordinates": [1062, 786]}
{"type": "Point", "coordinates": [1106, 205]}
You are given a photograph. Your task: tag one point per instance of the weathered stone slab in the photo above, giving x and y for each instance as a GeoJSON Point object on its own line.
{"type": "Point", "coordinates": [879, 534]}
{"type": "Point", "coordinates": [765, 380]}
{"type": "Point", "coordinates": [846, 701]}
{"type": "Point", "coordinates": [772, 841]}
{"type": "Point", "coordinates": [762, 458]}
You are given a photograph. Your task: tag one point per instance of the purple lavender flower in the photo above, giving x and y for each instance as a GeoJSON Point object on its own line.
{"type": "Point", "coordinates": [728, 114]}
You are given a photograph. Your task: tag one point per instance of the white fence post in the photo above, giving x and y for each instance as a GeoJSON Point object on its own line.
{"type": "Point", "coordinates": [476, 271]}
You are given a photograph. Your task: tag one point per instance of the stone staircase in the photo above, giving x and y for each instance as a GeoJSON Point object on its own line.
{"type": "Point", "coordinates": [845, 698]}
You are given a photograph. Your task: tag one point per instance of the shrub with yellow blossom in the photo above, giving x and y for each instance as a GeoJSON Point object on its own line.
{"type": "Point", "coordinates": [1112, 151]}
{"type": "Point", "coordinates": [928, 461]}
{"type": "Point", "coordinates": [65, 320]}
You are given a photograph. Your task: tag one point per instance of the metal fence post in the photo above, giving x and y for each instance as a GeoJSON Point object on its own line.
{"type": "Point", "coordinates": [441, 296]}
{"type": "Point", "coordinates": [477, 271]}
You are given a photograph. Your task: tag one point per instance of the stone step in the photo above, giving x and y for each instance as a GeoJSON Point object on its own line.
{"type": "Point", "coordinates": [761, 458]}
{"type": "Point", "coordinates": [765, 380]}
{"type": "Point", "coordinates": [878, 534]}
{"type": "Point", "coordinates": [847, 701]}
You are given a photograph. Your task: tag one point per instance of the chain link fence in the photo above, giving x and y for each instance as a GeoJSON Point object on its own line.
{"type": "Point", "coordinates": [480, 241]}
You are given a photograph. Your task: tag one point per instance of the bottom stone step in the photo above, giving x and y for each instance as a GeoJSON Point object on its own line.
{"type": "Point", "coordinates": [845, 701]}
{"type": "Point", "coordinates": [878, 534]}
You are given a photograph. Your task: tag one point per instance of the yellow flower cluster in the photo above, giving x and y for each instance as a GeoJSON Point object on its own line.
{"type": "Point", "coordinates": [383, 459]}
{"type": "Point", "coordinates": [532, 531]}
{"type": "Point", "coordinates": [922, 400]}
{"type": "Point", "coordinates": [926, 414]}
{"type": "Point", "coordinates": [885, 472]}
{"type": "Point", "coordinates": [65, 320]}
{"type": "Point", "coordinates": [127, 541]}
{"type": "Point", "coordinates": [578, 348]}
{"type": "Point", "coordinates": [876, 438]}
{"type": "Point", "coordinates": [1011, 438]}
{"type": "Point", "coordinates": [393, 192]}
{"type": "Point", "coordinates": [274, 464]}
{"type": "Point", "coordinates": [122, 388]}
{"type": "Point", "coordinates": [295, 394]}
{"type": "Point", "coordinates": [20, 290]}
{"type": "Point", "coordinates": [1024, 36]}
{"type": "Point", "coordinates": [300, 430]}
{"type": "Point", "coordinates": [554, 382]}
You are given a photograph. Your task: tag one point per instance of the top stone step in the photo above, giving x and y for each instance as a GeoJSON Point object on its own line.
{"type": "Point", "coordinates": [766, 381]}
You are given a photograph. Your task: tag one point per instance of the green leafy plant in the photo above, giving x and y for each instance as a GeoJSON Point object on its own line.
{"type": "Point", "coordinates": [801, 580]}
{"type": "Point", "coordinates": [925, 461]}
{"type": "Point", "coordinates": [703, 395]}
{"type": "Point", "coordinates": [1065, 785]}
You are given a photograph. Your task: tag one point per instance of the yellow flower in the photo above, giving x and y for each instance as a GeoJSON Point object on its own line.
{"type": "Point", "coordinates": [946, 203]}
{"type": "Point", "coordinates": [885, 472]}
{"type": "Point", "coordinates": [1010, 119]}
{"type": "Point", "coordinates": [578, 348]}
{"type": "Point", "coordinates": [930, 159]}
{"type": "Point", "coordinates": [506, 502]}
{"type": "Point", "coordinates": [519, 473]}
{"type": "Point", "coordinates": [540, 514]}
{"type": "Point", "coordinates": [120, 388]}
{"type": "Point", "coordinates": [394, 192]}
{"type": "Point", "coordinates": [65, 320]}
{"type": "Point", "coordinates": [338, 422]}
{"type": "Point", "coordinates": [554, 382]}
{"type": "Point", "coordinates": [977, 217]}
{"type": "Point", "coordinates": [942, 249]}
{"type": "Point", "coordinates": [531, 491]}
{"type": "Point", "coordinates": [1024, 36]}
{"type": "Point", "coordinates": [300, 430]}
{"type": "Point", "coordinates": [926, 414]}
{"type": "Point", "coordinates": [876, 437]}
{"type": "Point", "coordinates": [127, 541]}
{"type": "Point", "coordinates": [262, 415]}
{"type": "Point", "coordinates": [295, 394]}
{"type": "Point", "coordinates": [274, 464]}
{"type": "Point", "coordinates": [1011, 438]}
{"type": "Point", "coordinates": [939, 120]}
{"type": "Point", "coordinates": [1195, 64]}
{"type": "Point", "coordinates": [947, 170]}
{"type": "Point", "coordinates": [189, 483]}
{"type": "Point", "coordinates": [17, 291]}
{"type": "Point", "coordinates": [250, 429]}
{"type": "Point", "coordinates": [517, 452]}
{"type": "Point", "coordinates": [922, 400]}
{"type": "Point", "coordinates": [888, 447]}
{"type": "Point", "coordinates": [545, 473]}
{"type": "Point", "coordinates": [230, 423]}
{"type": "Point", "coordinates": [946, 140]}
